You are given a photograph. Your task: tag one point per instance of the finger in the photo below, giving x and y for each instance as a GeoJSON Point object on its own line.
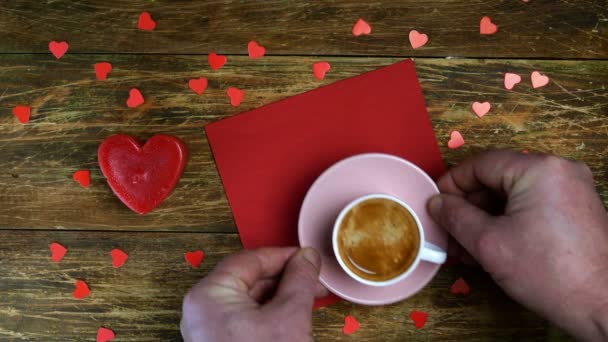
{"type": "Point", "coordinates": [464, 221]}
{"type": "Point", "coordinates": [263, 289]}
{"type": "Point", "coordinates": [487, 200]}
{"type": "Point", "coordinates": [299, 286]}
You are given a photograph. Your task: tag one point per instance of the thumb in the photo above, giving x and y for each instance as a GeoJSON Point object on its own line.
{"type": "Point", "coordinates": [464, 221]}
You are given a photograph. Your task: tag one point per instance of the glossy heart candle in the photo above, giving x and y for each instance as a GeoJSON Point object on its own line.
{"type": "Point", "coordinates": [142, 176]}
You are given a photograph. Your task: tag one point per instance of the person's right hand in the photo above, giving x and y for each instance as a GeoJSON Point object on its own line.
{"type": "Point", "coordinates": [547, 246]}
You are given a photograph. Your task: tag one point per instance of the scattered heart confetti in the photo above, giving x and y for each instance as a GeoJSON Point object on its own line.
{"type": "Point", "coordinates": [57, 251]}
{"type": "Point", "coordinates": [350, 325]}
{"type": "Point", "coordinates": [145, 22]}
{"type": "Point", "coordinates": [194, 258]}
{"type": "Point", "coordinates": [538, 79]}
{"type": "Point", "coordinates": [419, 318]}
{"type": "Point", "coordinates": [81, 290]}
{"type": "Point", "coordinates": [481, 109]}
{"type": "Point", "coordinates": [361, 27]}
{"type": "Point", "coordinates": [135, 98]}
{"type": "Point", "coordinates": [255, 50]}
{"type": "Point", "coordinates": [525, 151]}
{"type": "Point", "coordinates": [118, 257]}
{"type": "Point", "coordinates": [104, 335]}
{"type": "Point", "coordinates": [418, 39]}
{"type": "Point", "coordinates": [102, 69]}
{"type": "Point", "coordinates": [236, 96]}
{"type": "Point", "coordinates": [58, 49]}
{"type": "Point", "coordinates": [511, 80]}
{"type": "Point", "coordinates": [456, 140]}
{"type": "Point", "coordinates": [486, 26]}
{"type": "Point", "coordinates": [216, 61]}
{"type": "Point", "coordinates": [82, 177]}
{"type": "Point", "coordinates": [198, 85]}
{"type": "Point", "coordinates": [22, 113]}
{"type": "Point", "coordinates": [460, 286]}
{"type": "Point", "coordinates": [319, 69]}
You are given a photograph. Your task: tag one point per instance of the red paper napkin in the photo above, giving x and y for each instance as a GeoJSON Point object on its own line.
{"type": "Point", "coordinates": [270, 156]}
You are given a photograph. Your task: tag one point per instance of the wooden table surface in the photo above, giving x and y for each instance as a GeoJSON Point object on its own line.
{"type": "Point", "coordinates": [72, 113]}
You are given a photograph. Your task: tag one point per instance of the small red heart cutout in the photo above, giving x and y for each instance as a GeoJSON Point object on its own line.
{"type": "Point", "coordinates": [22, 113]}
{"type": "Point", "coordinates": [486, 26]}
{"type": "Point", "coordinates": [236, 95]}
{"type": "Point", "coordinates": [460, 286]}
{"type": "Point", "coordinates": [102, 70]}
{"type": "Point", "coordinates": [255, 50]}
{"type": "Point", "coordinates": [83, 177]}
{"type": "Point", "coordinates": [418, 39]}
{"type": "Point", "coordinates": [419, 318]}
{"type": "Point", "coordinates": [350, 325]}
{"type": "Point", "coordinates": [104, 335]}
{"type": "Point", "coordinates": [361, 27]}
{"type": "Point", "coordinates": [145, 22]}
{"type": "Point", "coordinates": [481, 109]}
{"type": "Point", "coordinates": [135, 98]}
{"type": "Point", "coordinates": [525, 151]}
{"type": "Point", "coordinates": [198, 85]}
{"type": "Point", "coordinates": [81, 290]}
{"type": "Point", "coordinates": [194, 258]}
{"type": "Point", "coordinates": [142, 176]}
{"type": "Point", "coordinates": [511, 80]}
{"type": "Point", "coordinates": [216, 61]}
{"type": "Point", "coordinates": [57, 251]}
{"type": "Point", "coordinates": [319, 69]}
{"type": "Point", "coordinates": [456, 140]}
{"type": "Point", "coordinates": [58, 49]}
{"type": "Point", "coordinates": [538, 79]}
{"type": "Point", "coordinates": [118, 257]}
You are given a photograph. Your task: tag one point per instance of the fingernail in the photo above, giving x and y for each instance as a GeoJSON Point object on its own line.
{"type": "Point", "coordinates": [312, 256]}
{"type": "Point", "coordinates": [435, 204]}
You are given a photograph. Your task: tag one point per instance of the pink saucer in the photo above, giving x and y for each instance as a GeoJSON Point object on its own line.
{"type": "Point", "coordinates": [352, 178]}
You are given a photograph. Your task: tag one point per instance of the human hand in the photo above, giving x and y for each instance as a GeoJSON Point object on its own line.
{"type": "Point", "coordinates": [256, 295]}
{"type": "Point", "coordinates": [546, 245]}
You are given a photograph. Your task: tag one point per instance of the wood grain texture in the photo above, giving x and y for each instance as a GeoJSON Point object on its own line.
{"type": "Point", "coordinates": [540, 28]}
{"type": "Point", "coordinates": [141, 301]}
{"type": "Point", "coordinates": [73, 112]}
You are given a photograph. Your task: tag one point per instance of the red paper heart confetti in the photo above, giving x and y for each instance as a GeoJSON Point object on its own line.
{"type": "Point", "coordinates": [236, 96]}
{"type": "Point", "coordinates": [142, 176]}
{"type": "Point", "coordinates": [350, 325]}
{"type": "Point", "coordinates": [57, 251]}
{"type": "Point", "coordinates": [194, 258]}
{"type": "Point", "coordinates": [538, 79]}
{"type": "Point", "coordinates": [118, 257]}
{"type": "Point", "coordinates": [82, 177]}
{"type": "Point", "coordinates": [481, 109]}
{"type": "Point", "coordinates": [104, 335]}
{"type": "Point", "coordinates": [145, 22]}
{"type": "Point", "coordinates": [135, 98]}
{"type": "Point", "coordinates": [525, 151]}
{"type": "Point", "coordinates": [319, 69]}
{"type": "Point", "coordinates": [81, 290]}
{"type": "Point", "coordinates": [486, 26]}
{"type": "Point", "coordinates": [511, 80]}
{"type": "Point", "coordinates": [456, 140]}
{"type": "Point", "coordinates": [419, 318]}
{"type": "Point", "coordinates": [198, 85]}
{"type": "Point", "coordinates": [255, 50]}
{"type": "Point", "coordinates": [361, 27]}
{"type": "Point", "coordinates": [22, 113]}
{"type": "Point", "coordinates": [216, 61]}
{"type": "Point", "coordinates": [460, 286]}
{"type": "Point", "coordinates": [418, 39]}
{"type": "Point", "coordinates": [58, 49]}
{"type": "Point", "coordinates": [102, 70]}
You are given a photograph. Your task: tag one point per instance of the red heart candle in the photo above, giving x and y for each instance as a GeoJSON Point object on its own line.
{"type": "Point", "coordinates": [142, 176]}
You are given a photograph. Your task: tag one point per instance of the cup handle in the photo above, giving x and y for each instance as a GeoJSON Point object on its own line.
{"type": "Point", "coordinates": [432, 253]}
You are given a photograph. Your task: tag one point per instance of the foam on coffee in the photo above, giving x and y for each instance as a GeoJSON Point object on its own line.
{"type": "Point", "coordinates": [378, 239]}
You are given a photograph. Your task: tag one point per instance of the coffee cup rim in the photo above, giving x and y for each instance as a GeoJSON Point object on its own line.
{"type": "Point", "coordinates": [353, 275]}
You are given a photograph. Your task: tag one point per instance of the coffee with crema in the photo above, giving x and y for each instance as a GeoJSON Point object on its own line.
{"type": "Point", "coordinates": [378, 239]}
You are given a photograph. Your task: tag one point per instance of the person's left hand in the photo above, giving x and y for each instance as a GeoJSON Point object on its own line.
{"type": "Point", "coordinates": [256, 295]}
